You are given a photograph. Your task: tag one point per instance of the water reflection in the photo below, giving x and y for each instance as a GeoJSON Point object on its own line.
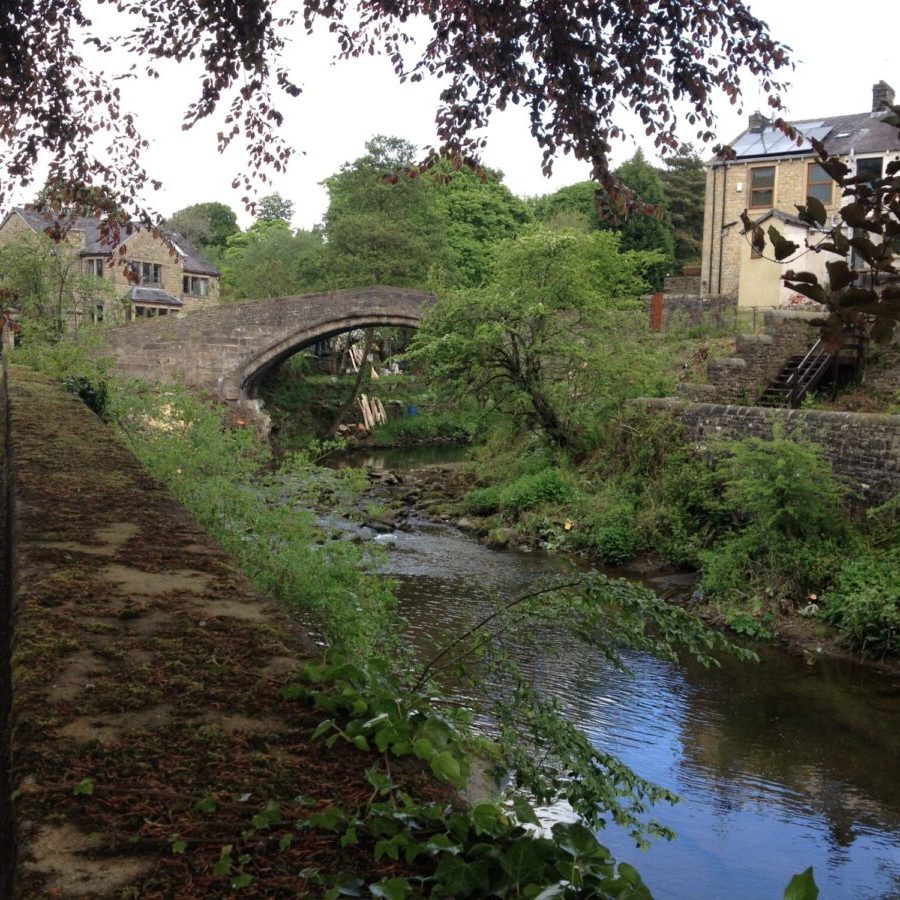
{"type": "Point", "coordinates": [780, 766]}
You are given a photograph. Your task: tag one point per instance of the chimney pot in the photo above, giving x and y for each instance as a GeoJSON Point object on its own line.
{"type": "Point", "coordinates": [757, 122]}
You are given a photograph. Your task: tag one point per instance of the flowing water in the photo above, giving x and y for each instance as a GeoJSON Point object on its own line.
{"type": "Point", "coordinates": [790, 763]}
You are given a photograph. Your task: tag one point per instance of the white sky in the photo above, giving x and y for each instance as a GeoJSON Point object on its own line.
{"type": "Point", "coordinates": [839, 56]}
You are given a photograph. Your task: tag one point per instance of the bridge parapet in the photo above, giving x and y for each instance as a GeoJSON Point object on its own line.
{"type": "Point", "coordinates": [225, 349]}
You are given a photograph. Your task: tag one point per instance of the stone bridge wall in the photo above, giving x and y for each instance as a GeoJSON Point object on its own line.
{"type": "Point", "coordinates": [863, 449]}
{"type": "Point", "coordinates": [224, 350]}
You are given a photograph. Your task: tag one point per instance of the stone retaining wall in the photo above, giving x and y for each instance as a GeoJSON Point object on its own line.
{"type": "Point", "coordinates": [757, 359]}
{"type": "Point", "coordinates": [688, 310]}
{"type": "Point", "coordinates": [863, 449]}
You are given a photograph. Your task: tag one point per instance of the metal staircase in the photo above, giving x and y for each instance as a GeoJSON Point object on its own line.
{"type": "Point", "coordinates": [802, 374]}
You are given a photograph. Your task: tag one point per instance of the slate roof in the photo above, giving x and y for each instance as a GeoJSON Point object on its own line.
{"type": "Point", "coordinates": [139, 294]}
{"type": "Point", "coordinates": [192, 260]}
{"type": "Point", "coordinates": [859, 133]}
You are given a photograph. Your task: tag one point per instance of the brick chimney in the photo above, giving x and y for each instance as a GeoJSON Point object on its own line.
{"type": "Point", "coordinates": [757, 122]}
{"type": "Point", "coordinates": [882, 96]}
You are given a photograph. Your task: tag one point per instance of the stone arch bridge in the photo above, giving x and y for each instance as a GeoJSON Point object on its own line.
{"type": "Point", "coordinates": [226, 350]}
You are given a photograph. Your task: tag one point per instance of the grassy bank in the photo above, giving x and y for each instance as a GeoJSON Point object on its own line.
{"type": "Point", "coordinates": [771, 533]}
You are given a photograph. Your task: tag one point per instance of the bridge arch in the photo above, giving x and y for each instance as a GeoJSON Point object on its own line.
{"type": "Point", "coordinates": [226, 349]}
{"type": "Point", "coordinates": [251, 373]}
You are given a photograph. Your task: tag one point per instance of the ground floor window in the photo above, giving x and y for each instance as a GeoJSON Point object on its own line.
{"type": "Point", "coordinates": [195, 285]}
{"type": "Point", "coordinates": [149, 312]}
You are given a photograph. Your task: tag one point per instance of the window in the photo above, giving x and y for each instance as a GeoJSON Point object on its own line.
{"type": "Point", "coordinates": [149, 312]}
{"type": "Point", "coordinates": [148, 273]}
{"type": "Point", "coordinates": [762, 187]}
{"type": "Point", "coordinates": [195, 286]}
{"type": "Point", "coordinates": [94, 266]}
{"type": "Point", "coordinates": [96, 312]}
{"type": "Point", "coordinates": [869, 168]}
{"type": "Point", "coordinates": [819, 184]}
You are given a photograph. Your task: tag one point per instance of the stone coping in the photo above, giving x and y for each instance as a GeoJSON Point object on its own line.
{"type": "Point", "coordinates": [137, 651]}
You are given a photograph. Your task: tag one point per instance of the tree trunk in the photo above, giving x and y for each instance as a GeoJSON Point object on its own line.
{"type": "Point", "coordinates": [549, 419]}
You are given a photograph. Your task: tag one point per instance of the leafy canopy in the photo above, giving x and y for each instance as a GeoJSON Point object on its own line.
{"type": "Point", "coordinates": [205, 225]}
{"type": "Point", "coordinates": [383, 227]}
{"type": "Point", "coordinates": [525, 341]}
{"type": "Point", "coordinates": [569, 62]}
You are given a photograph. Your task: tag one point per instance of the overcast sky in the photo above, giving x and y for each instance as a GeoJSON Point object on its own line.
{"type": "Point", "coordinates": [839, 57]}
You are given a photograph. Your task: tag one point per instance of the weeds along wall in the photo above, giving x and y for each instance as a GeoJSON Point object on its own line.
{"type": "Point", "coordinates": [863, 448]}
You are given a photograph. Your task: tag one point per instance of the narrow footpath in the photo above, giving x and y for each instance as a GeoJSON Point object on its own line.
{"type": "Point", "coordinates": [142, 723]}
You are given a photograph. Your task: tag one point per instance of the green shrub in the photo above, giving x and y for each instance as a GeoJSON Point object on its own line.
{"type": "Point", "coordinates": [865, 602]}
{"type": "Point", "coordinates": [530, 491]}
{"type": "Point", "coordinates": [94, 395]}
{"type": "Point", "coordinates": [608, 526]}
{"type": "Point", "coordinates": [682, 512]}
{"type": "Point", "coordinates": [784, 488]}
{"type": "Point", "coordinates": [748, 568]}
{"type": "Point", "coordinates": [483, 501]}
{"type": "Point", "coordinates": [789, 530]}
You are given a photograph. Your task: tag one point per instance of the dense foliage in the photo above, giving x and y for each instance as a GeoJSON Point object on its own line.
{"type": "Point", "coordinates": [530, 341]}
{"type": "Point", "coordinates": [206, 225]}
{"type": "Point", "coordinates": [643, 230]}
{"type": "Point", "coordinates": [770, 532]}
{"type": "Point", "coordinates": [43, 280]}
{"type": "Point", "coordinates": [684, 187]}
{"type": "Point", "coordinates": [381, 227]}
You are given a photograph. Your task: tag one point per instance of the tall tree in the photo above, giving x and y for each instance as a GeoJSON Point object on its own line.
{"type": "Point", "coordinates": [571, 64]}
{"type": "Point", "coordinates": [480, 210]}
{"type": "Point", "coordinates": [205, 224]}
{"type": "Point", "coordinates": [572, 207]}
{"type": "Point", "coordinates": [684, 187]}
{"type": "Point", "coordinates": [649, 230]}
{"type": "Point", "coordinates": [274, 208]}
{"type": "Point", "coordinates": [527, 341]}
{"type": "Point", "coordinates": [269, 260]}
{"type": "Point", "coordinates": [384, 224]}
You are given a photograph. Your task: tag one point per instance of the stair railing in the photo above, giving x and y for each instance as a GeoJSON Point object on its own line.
{"type": "Point", "coordinates": [808, 373]}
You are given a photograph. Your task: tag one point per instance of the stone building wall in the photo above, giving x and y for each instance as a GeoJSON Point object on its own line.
{"type": "Point", "coordinates": [863, 449]}
{"type": "Point", "coordinates": [725, 203]}
{"type": "Point", "coordinates": [139, 247]}
{"type": "Point", "coordinates": [144, 247]}
{"type": "Point", "coordinates": [689, 310]}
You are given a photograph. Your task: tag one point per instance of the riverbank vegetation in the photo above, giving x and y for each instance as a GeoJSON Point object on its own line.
{"type": "Point", "coordinates": [385, 702]}
{"type": "Point", "coordinates": [548, 346]}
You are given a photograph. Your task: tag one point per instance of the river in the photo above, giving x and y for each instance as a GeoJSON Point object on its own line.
{"type": "Point", "coordinates": [790, 763]}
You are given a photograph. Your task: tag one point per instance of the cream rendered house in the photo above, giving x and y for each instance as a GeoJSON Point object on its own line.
{"type": "Point", "coordinates": [154, 276]}
{"type": "Point", "coordinates": [769, 177]}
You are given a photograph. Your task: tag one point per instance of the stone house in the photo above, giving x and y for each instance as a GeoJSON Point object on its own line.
{"type": "Point", "coordinates": [154, 275]}
{"type": "Point", "coordinates": [769, 176]}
